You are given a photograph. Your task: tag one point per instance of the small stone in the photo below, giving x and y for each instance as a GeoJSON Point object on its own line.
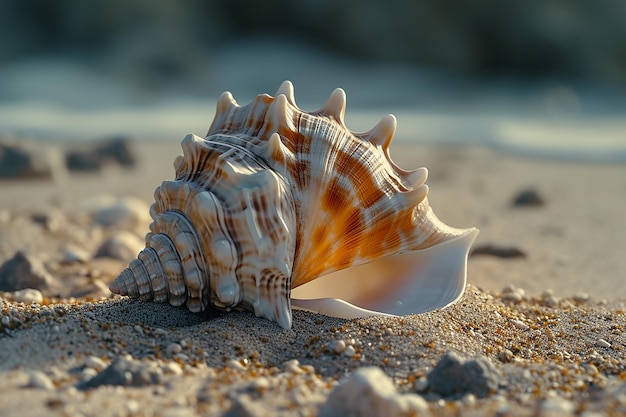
{"type": "Point", "coordinates": [173, 348]}
{"type": "Point", "coordinates": [243, 406]}
{"type": "Point", "coordinates": [125, 371]}
{"type": "Point", "coordinates": [551, 301]}
{"type": "Point", "coordinates": [50, 218]}
{"type": "Point", "coordinates": [235, 364]}
{"type": "Point", "coordinates": [94, 362]}
{"type": "Point", "coordinates": [88, 373]}
{"type": "Point", "coordinates": [452, 376]}
{"type": "Point", "coordinates": [293, 366]}
{"type": "Point", "coordinates": [20, 161]}
{"type": "Point", "coordinates": [37, 379]}
{"type": "Point", "coordinates": [24, 271]}
{"type": "Point", "coordinates": [603, 343]}
{"type": "Point", "coordinates": [126, 213]}
{"type": "Point", "coordinates": [368, 392]}
{"type": "Point", "coordinates": [421, 384]}
{"type": "Point", "coordinates": [121, 245]}
{"type": "Point", "coordinates": [505, 356]}
{"type": "Point", "coordinates": [158, 332]}
{"type": "Point", "coordinates": [528, 198]}
{"type": "Point", "coordinates": [557, 406]}
{"type": "Point", "coordinates": [349, 351]}
{"type": "Point", "coordinates": [338, 346]}
{"type": "Point", "coordinates": [498, 251]}
{"type": "Point", "coordinates": [28, 296]}
{"type": "Point", "coordinates": [520, 325]}
{"type": "Point", "coordinates": [172, 368]}
{"type": "Point", "coordinates": [72, 254]}
{"type": "Point", "coordinates": [138, 329]}
{"type": "Point", "coordinates": [96, 155]}
{"type": "Point", "coordinates": [581, 298]}
{"type": "Point", "coordinates": [260, 385]}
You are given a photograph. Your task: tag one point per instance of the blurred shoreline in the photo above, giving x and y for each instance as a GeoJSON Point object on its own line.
{"type": "Point", "coordinates": [57, 98]}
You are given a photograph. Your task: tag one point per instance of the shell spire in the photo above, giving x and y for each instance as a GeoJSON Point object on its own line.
{"type": "Point", "coordinates": [265, 210]}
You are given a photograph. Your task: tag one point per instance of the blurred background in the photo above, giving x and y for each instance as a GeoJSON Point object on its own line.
{"type": "Point", "coordinates": [539, 76]}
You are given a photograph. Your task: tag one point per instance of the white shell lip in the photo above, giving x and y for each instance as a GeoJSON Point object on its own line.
{"type": "Point", "coordinates": [414, 282]}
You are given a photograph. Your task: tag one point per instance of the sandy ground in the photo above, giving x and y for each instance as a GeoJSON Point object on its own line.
{"type": "Point", "coordinates": [558, 352]}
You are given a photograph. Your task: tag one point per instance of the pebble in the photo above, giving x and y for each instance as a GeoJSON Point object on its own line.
{"type": "Point", "coordinates": [528, 198]}
{"type": "Point", "coordinates": [94, 156]}
{"type": "Point", "coordinates": [37, 379]}
{"type": "Point", "coordinates": [293, 366]}
{"type": "Point", "coordinates": [520, 325]}
{"type": "Point", "coordinates": [349, 351]}
{"type": "Point", "coordinates": [235, 364]}
{"type": "Point", "coordinates": [173, 348]}
{"type": "Point", "coordinates": [243, 406]}
{"type": "Point", "coordinates": [172, 368]}
{"type": "Point", "coordinates": [88, 373]}
{"type": "Point", "coordinates": [94, 362]}
{"type": "Point", "coordinates": [125, 371]}
{"type": "Point", "coordinates": [338, 346]}
{"type": "Point", "coordinates": [159, 332]}
{"type": "Point", "coordinates": [72, 253]}
{"type": "Point", "coordinates": [28, 296]}
{"type": "Point", "coordinates": [505, 356]}
{"type": "Point", "coordinates": [421, 384]}
{"type": "Point", "coordinates": [260, 385]}
{"type": "Point", "coordinates": [452, 376]}
{"type": "Point", "coordinates": [603, 343]}
{"type": "Point", "coordinates": [24, 161]}
{"type": "Point", "coordinates": [368, 392]}
{"type": "Point", "coordinates": [581, 298]}
{"type": "Point", "coordinates": [126, 213]}
{"type": "Point", "coordinates": [512, 293]}
{"type": "Point", "coordinates": [24, 271]}
{"type": "Point", "coordinates": [122, 245]}
{"type": "Point", "coordinates": [557, 406]}
{"type": "Point", "coordinates": [50, 218]}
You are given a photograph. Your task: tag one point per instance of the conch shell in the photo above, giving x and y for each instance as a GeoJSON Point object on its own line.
{"type": "Point", "coordinates": [276, 199]}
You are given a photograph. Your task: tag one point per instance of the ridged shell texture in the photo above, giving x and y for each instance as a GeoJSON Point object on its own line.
{"type": "Point", "coordinates": [272, 198]}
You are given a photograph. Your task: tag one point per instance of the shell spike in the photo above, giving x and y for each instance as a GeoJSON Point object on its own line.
{"type": "Point", "coordinates": [383, 132]}
{"type": "Point", "coordinates": [279, 113]}
{"type": "Point", "coordinates": [335, 105]}
{"type": "Point", "coordinates": [417, 195]}
{"type": "Point", "coordinates": [286, 88]}
{"type": "Point", "coordinates": [417, 177]}
{"type": "Point", "coordinates": [225, 102]}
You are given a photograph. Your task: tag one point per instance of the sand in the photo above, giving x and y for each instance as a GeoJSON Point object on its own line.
{"type": "Point", "coordinates": [550, 322]}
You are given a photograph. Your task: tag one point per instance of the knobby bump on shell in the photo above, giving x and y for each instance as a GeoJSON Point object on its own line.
{"type": "Point", "coordinates": [274, 200]}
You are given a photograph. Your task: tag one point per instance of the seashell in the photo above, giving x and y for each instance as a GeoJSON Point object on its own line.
{"type": "Point", "coordinates": [274, 200]}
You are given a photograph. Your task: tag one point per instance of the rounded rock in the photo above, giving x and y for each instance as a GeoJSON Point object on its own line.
{"type": "Point", "coordinates": [338, 346]}
{"type": "Point", "coordinates": [28, 296]}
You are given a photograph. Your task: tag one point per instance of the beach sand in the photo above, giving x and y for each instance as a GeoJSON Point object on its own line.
{"type": "Point", "coordinates": [549, 321]}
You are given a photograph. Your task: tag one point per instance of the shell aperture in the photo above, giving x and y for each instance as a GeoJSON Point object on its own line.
{"type": "Point", "coordinates": [276, 199]}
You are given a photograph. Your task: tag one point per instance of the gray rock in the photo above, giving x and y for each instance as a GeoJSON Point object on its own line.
{"type": "Point", "coordinates": [127, 213]}
{"type": "Point", "coordinates": [28, 296]}
{"type": "Point", "coordinates": [122, 245]}
{"type": "Point", "coordinates": [453, 376]}
{"type": "Point", "coordinates": [243, 406]}
{"type": "Point", "coordinates": [50, 218]}
{"type": "Point", "coordinates": [370, 393]}
{"type": "Point", "coordinates": [18, 161]}
{"type": "Point", "coordinates": [125, 372]}
{"type": "Point", "coordinates": [37, 379]}
{"type": "Point", "coordinates": [115, 150]}
{"type": "Point", "coordinates": [24, 271]}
